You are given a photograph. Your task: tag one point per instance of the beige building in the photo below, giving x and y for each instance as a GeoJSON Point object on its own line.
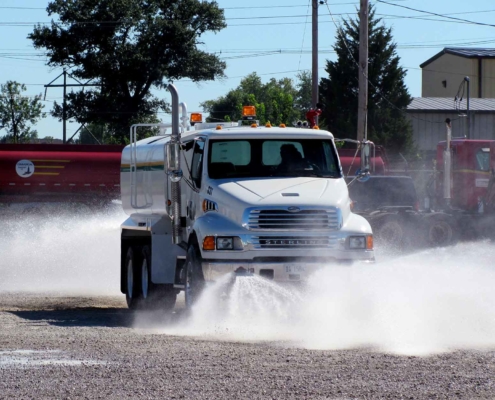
{"type": "Point", "coordinates": [443, 73]}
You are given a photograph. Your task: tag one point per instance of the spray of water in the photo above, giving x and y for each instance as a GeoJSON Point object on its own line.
{"type": "Point", "coordinates": [429, 302]}
{"type": "Point", "coordinates": [68, 253]}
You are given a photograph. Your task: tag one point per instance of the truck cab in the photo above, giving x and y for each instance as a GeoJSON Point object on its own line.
{"type": "Point", "coordinates": [271, 201]}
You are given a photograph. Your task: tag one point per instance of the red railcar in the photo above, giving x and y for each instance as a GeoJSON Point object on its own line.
{"type": "Point", "coordinates": [59, 173]}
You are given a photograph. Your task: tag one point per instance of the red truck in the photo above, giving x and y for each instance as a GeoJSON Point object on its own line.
{"type": "Point", "coordinates": [460, 194]}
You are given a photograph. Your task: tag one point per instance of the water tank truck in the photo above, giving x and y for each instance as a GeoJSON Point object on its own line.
{"type": "Point", "coordinates": [232, 199]}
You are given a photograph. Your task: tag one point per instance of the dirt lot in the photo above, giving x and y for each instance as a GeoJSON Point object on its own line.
{"type": "Point", "coordinates": [87, 347]}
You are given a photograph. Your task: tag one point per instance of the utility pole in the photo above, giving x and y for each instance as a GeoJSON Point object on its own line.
{"type": "Point", "coordinates": [64, 104]}
{"type": "Point", "coordinates": [362, 132]}
{"type": "Point", "coordinates": [314, 73]}
{"type": "Point", "coordinates": [64, 109]}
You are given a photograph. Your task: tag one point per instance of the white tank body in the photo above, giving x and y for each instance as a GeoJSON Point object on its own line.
{"type": "Point", "coordinates": [146, 190]}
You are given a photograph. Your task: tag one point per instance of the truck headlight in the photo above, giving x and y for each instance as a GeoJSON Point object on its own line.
{"type": "Point", "coordinates": [229, 243]}
{"type": "Point", "coordinates": [225, 243]}
{"type": "Point", "coordinates": [357, 242]}
{"type": "Point", "coordinates": [361, 242]}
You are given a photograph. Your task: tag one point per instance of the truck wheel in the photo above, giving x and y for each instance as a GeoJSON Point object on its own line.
{"type": "Point", "coordinates": [193, 280]}
{"type": "Point", "coordinates": [133, 277]}
{"type": "Point", "coordinates": [154, 296]}
{"type": "Point", "coordinates": [388, 230]}
{"type": "Point", "coordinates": [440, 230]}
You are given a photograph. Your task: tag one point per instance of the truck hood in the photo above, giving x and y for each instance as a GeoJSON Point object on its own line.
{"type": "Point", "coordinates": [286, 191]}
{"type": "Point", "coordinates": [289, 186]}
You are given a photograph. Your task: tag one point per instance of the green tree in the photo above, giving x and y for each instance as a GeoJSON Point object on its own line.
{"type": "Point", "coordinates": [274, 101]}
{"type": "Point", "coordinates": [128, 47]}
{"type": "Point", "coordinates": [303, 99]}
{"type": "Point", "coordinates": [388, 95]}
{"type": "Point", "coordinates": [17, 112]}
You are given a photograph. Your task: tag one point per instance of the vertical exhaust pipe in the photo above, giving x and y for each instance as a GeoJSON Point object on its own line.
{"type": "Point", "coordinates": [447, 165]}
{"type": "Point", "coordinates": [173, 167]}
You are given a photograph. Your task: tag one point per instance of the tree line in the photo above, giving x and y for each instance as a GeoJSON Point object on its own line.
{"type": "Point", "coordinates": [128, 47]}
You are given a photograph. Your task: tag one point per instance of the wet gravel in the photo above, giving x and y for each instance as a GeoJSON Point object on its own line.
{"type": "Point", "coordinates": [54, 346]}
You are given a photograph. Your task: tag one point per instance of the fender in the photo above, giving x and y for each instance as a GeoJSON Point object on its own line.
{"type": "Point", "coordinates": [357, 223]}
{"type": "Point", "coordinates": [213, 223]}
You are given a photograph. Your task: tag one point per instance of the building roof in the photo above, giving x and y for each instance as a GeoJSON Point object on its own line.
{"type": "Point", "coordinates": [444, 104]}
{"type": "Point", "coordinates": [466, 52]}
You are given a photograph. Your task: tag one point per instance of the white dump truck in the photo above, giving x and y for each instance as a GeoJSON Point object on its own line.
{"type": "Point", "coordinates": [232, 199]}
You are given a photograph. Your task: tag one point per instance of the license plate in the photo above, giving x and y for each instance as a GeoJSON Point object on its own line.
{"type": "Point", "coordinates": [291, 269]}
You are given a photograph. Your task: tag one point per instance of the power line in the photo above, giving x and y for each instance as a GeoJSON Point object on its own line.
{"type": "Point", "coordinates": [223, 8]}
{"type": "Point", "coordinates": [261, 17]}
{"type": "Point", "coordinates": [436, 14]}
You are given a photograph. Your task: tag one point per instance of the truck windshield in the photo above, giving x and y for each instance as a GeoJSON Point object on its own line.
{"type": "Point", "coordinates": [252, 158]}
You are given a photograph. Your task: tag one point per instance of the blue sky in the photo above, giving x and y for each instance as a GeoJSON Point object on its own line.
{"type": "Point", "coordinates": [271, 37]}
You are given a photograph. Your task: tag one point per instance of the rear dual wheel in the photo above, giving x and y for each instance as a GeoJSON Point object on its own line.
{"type": "Point", "coordinates": [141, 292]}
{"type": "Point", "coordinates": [133, 277]}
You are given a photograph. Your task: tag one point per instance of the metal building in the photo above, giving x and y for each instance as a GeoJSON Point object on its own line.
{"type": "Point", "coordinates": [428, 115]}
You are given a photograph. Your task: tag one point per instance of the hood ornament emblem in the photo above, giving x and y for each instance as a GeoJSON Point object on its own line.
{"type": "Point", "coordinates": [293, 209]}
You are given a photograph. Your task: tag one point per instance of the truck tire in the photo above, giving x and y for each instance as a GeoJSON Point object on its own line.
{"type": "Point", "coordinates": [388, 230]}
{"type": "Point", "coordinates": [133, 294]}
{"type": "Point", "coordinates": [194, 280]}
{"type": "Point", "coordinates": [154, 296]}
{"type": "Point", "coordinates": [440, 230]}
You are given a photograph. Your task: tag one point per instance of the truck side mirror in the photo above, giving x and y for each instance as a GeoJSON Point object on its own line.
{"type": "Point", "coordinates": [365, 157]}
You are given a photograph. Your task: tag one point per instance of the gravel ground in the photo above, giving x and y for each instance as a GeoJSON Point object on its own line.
{"type": "Point", "coordinates": [53, 346]}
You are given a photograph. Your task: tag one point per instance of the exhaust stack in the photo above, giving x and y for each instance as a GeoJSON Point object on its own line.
{"type": "Point", "coordinates": [447, 165]}
{"type": "Point", "coordinates": [173, 167]}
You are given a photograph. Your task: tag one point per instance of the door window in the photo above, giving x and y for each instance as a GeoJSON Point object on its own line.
{"type": "Point", "coordinates": [197, 163]}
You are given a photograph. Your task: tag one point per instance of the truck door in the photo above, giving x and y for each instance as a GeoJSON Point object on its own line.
{"type": "Point", "coordinates": [194, 173]}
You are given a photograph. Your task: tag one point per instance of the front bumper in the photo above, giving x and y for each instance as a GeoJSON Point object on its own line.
{"type": "Point", "coordinates": [283, 271]}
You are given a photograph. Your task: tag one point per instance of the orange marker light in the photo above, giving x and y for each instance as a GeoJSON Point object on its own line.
{"type": "Point", "coordinates": [268, 125]}
{"type": "Point", "coordinates": [219, 127]}
{"type": "Point", "coordinates": [316, 127]}
{"type": "Point", "coordinates": [254, 125]}
{"type": "Point", "coordinates": [369, 242]}
{"type": "Point", "coordinates": [249, 111]}
{"type": "Point", "coordinates": [209, 243]}
{"type": "Point", "coordinates": [196, 117]}
{"type": "Point", "coordinates": [282, 125]}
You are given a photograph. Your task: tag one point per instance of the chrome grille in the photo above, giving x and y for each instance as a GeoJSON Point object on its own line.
{"type": "Point", "coordinates": [294, 242]}
{"type": "Point", "coordinates": [303, 220]}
